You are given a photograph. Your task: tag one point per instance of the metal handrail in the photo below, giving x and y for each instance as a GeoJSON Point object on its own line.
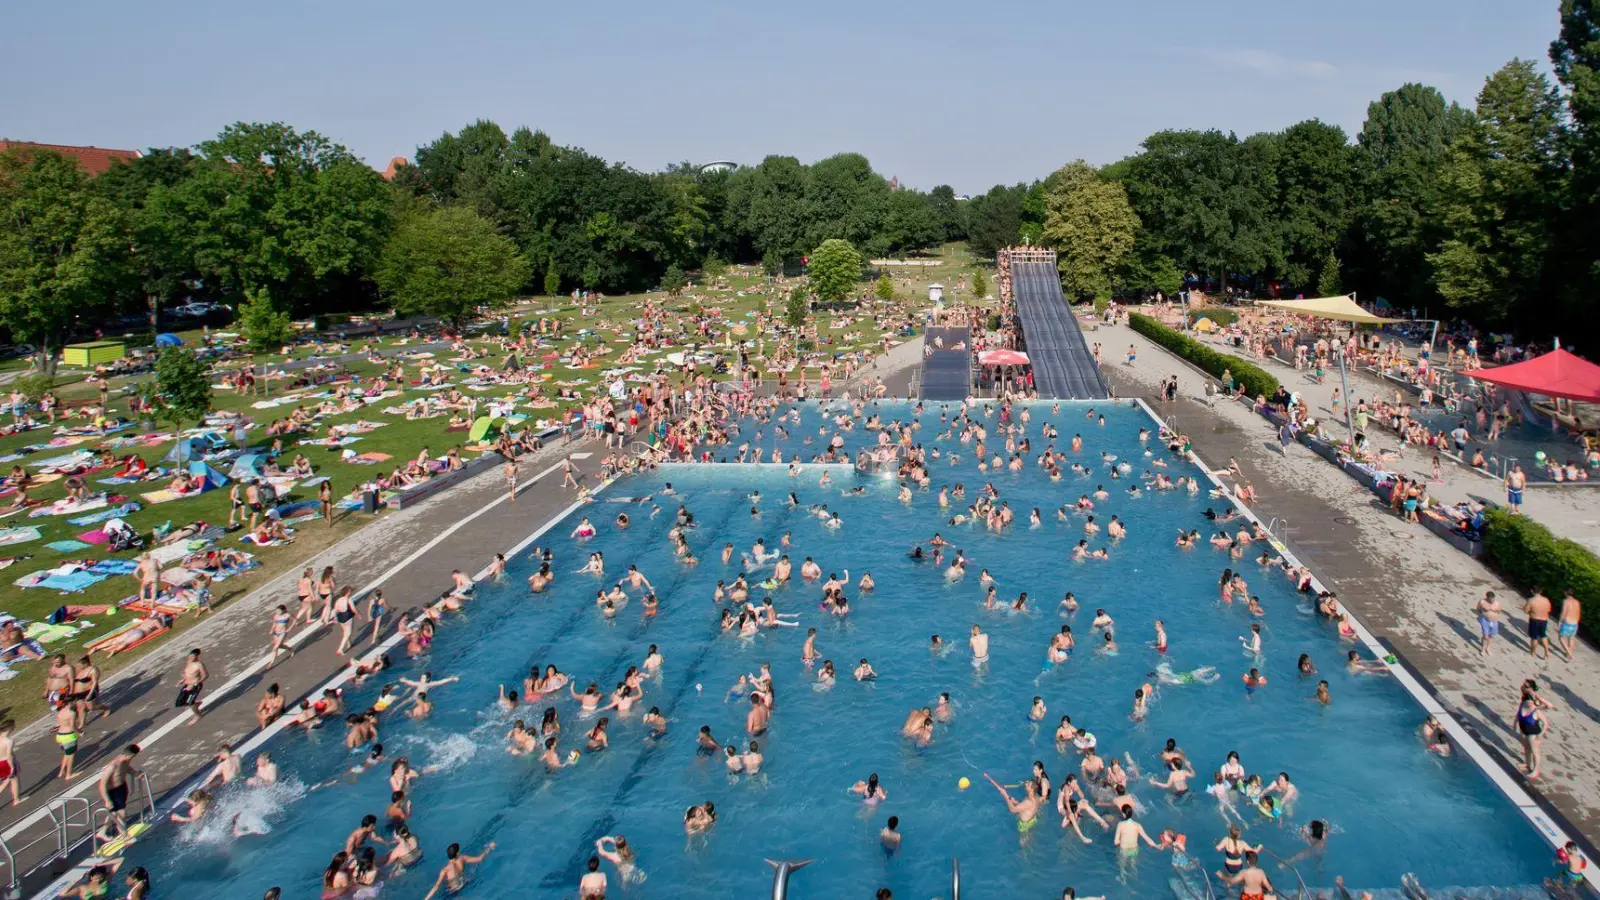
{"type": "Point", "coordinates": [781, 870]}
{"type": "Point", "coordinates": [65, 806]}
{"type": "Point", "coordinates": [1305, 892]}
{"type": "Point", "coordinates": [955, 879]}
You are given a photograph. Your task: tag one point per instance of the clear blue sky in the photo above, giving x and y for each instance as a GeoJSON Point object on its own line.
{"type": "Point", "coordinates": [968, 94]}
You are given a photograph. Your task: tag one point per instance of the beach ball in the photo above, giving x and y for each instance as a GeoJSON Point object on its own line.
{"type": "Point", "coordinates": [964, 783]}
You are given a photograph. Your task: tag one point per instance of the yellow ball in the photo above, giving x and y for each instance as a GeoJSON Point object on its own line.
{"type": "Point", "coordinates": [964, 783]}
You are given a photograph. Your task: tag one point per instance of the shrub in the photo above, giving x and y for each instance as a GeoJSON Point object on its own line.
{"type": "Point", "coordinates": [33, 386]}
{"type": "Point", "coordinates": [1256, 381]}
{"type": "Point", "coordinates": [1101, 304]}
{"type": "Point", "coordinates": [1531, 557]}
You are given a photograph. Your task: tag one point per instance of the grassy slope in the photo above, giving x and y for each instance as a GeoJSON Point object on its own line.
{"type": "Point", "coordinates": [19, 697]}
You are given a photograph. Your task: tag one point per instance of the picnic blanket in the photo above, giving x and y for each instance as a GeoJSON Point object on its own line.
{"type": "Point", "coordinates": [122, 511]}
{"type": "Point", "coordinates": [165, 495]}
{"type": "Point", "coordinates": [21, 535]}
{"type": "Point", "coordinates": [66, 578]}
{"type": "Point", "coordinates": [67, 546]}
{"type": "Point", "coordinates": [115, 567]}
{"type": "Point", "coordinates": [65, 460]}
{"type": "Point", "coordinates": [67, 506]}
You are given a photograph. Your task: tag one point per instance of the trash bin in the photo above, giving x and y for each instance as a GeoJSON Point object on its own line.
{"type": "Point", "coordinates": [369, 501]}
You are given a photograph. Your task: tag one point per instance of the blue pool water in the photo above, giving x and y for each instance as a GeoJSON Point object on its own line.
{"type": "Point", "coordinates": [1520, 441]}
{"type": "Point", "coordinates": [1358, 763]}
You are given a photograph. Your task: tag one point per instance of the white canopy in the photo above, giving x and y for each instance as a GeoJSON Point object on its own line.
{"type": "Point", "coordinates": [1343, 308]}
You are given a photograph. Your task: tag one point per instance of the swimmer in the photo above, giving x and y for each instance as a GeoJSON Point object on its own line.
{"type": "Point", "coordinates": [865, 672]}
{"type": "Point", "coordinates": [870, 790]}
{"type": "Point", "coordinates": [979, 642]}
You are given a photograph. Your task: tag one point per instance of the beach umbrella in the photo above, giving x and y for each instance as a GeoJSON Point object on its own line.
{"type": "Point", "coordinates": [168, 339]}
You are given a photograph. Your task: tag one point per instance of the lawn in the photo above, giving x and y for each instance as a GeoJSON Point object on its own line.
{"type": "Point", "coordinates": [602, 329]}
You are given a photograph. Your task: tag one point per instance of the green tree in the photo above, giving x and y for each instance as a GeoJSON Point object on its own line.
{"type": "Point", "coordinates": [674, 281]}
{"type": "Point", "coordinates": [58, 245]}
{"type": "Point", "coordinates": [450, 263]}
{"type": "Point", "coordinates": [994, 219]}
{"type": "Point", "coordinates": [552, 281]}
{"type": "Point", "coordinates": [157, 265]}
{"type": "Point", "coordinates": [1313, 197]}
{"type": "Point", "coordinates": [884, 287]}
{"type": "Point", "coordinates": [947, 213]}
{"type": "Point", "coordinates": [1498, 197]}
{"type": "Point", "coordinates": [1329, 283]}
{"type": "Point", "coordinates": [772, 263]}
{"type": "Point", "coordinates": [181, 392]}
{"type": "Point", "coordinates": [1575, 57]}
{"type": "Point", "coordinates": [1401, 148]}
{"type": "Point", "coordinates": [834, 270]}
{"type": "Point", "coordinates": [980, 284]}
{"type": "Point", "coordinates": [714, 267]}
{"type": "Point", "coordinates": [795, 309]}
{"type": "Point", "coordinates": [1092, 226]}
{"type": "Point", "coordinates": [271, 207]}
{"type": "Point", "coordinates": [265, 327]}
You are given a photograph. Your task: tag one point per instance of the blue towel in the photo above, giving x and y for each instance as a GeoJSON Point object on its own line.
{"type": "Point", "coordinates": [114, 567]}
{"type": "Point", "coordinates": [73, 583]}
{"type": "Point", "coordinates": [67, 546]}
{"type": "Point", "coordinates": [105, 514]}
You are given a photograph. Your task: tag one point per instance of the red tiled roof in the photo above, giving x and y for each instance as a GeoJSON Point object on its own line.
{"type": "Point", "coordinates": [94, 160]}
{"type": "Point", "coordinates": [394, 166]}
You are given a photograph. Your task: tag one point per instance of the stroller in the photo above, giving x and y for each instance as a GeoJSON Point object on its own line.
{"type": "Point", "coordinates": [122, 535]}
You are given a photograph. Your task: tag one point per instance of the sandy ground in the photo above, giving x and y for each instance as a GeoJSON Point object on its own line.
{"type": "Point", "coordinates": [1405, 583]}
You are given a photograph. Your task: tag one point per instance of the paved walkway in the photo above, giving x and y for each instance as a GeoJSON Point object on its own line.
{"type": "Point", "coordinates": [1403, 582]}
{"type": "Point", "coordinates": [410, 554]}
{"type": "Point", "coordinates": [1570, 512]}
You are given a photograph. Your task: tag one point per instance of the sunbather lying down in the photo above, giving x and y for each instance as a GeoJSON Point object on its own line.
{"type": "Point", "coordinates": [143, 630]}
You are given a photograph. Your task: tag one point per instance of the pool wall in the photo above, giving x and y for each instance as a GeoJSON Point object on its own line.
{"type": "Point", "coordinates": [1547, 821]}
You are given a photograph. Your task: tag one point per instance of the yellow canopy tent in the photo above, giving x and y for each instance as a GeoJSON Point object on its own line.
{"type": "Point", "coordinates": [1204, 324]}
{"type": "Point", "coordinates": [1343, 309]}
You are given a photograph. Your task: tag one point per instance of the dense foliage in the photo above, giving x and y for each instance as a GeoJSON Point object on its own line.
{"type": "Point", "coordinates": [1257, 381]}
{"type": "Point", "coordinates": [1531, 557]}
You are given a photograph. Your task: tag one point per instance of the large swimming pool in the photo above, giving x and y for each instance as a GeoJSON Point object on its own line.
{"type": "Point", "coordinates": [1357, 762]}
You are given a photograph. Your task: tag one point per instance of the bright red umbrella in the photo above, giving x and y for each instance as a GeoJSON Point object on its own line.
{"type": "Point", "coordinates": [1002, 358]}
{"type": "Point", "coordinates": [1555, 374]}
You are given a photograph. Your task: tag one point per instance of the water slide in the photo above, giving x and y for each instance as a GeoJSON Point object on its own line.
{"type": "Point", "coordinates": [1063, 365]}
{"type": "Point", "coordinates": [946, 373]}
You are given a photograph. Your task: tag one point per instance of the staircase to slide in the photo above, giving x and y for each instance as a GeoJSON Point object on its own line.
{"type": "Point", "coordinates": [1063, 365]}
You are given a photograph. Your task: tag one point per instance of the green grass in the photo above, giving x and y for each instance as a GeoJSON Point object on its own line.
{"type": "Point", "coordinates": [610, 320]}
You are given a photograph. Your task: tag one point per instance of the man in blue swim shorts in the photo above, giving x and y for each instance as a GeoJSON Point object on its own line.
{"type": "Point", "coordinates": [1515, 482]}
{"type": "Point", "coordinates": [1571, 610]}
{"type": "Point", "coordinates": [1488, 610]}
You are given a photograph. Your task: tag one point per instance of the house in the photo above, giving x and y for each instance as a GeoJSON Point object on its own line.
{"type": "Point", "coordinates": [395, 165]}
{"type": "Point", "coordinates": [93, 160]}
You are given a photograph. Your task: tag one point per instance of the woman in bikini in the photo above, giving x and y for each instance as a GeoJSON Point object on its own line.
{"type": "Point", "coordinates": [1531, 724]}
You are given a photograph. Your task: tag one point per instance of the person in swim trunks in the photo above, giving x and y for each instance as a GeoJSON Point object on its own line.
{"type": "Point", "coordinates": [67, 736]}
{"type": "Point", "coordinates": [1252, 881]}
{"type": "Point", "coordinates": [1488, 610]}
{"type": "Point", "coordinates": [1538, 609]}
{"type": "Point", "coordinates": [1026, 810]}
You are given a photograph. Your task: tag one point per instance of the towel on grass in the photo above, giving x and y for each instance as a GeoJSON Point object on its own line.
{"type": "Point", "coordinates": [164, 495]}
{"type": "Point", "coordinates": [67, 546]}
{"type": "Point", "coordinates": [122, 511]}
{"type": "Point", "coordinates": [95, 537]}
{"type": "Point", "coordinates": [21, 535]}
{"type": "Point", "coordinates": [115, 567]}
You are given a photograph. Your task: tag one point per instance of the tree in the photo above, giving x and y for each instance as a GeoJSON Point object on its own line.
{"type": "Point", "coordinates": [1329, 283]}
{"type": "Point", "coordinates": [994, 220]}
{"type": "Point", "coordinates": [1575, 57]}
{"type": "Point", "coordinates": [270, 207]}
{"type": "Point", "coordinates": [58, 242]}
{"type": "Point", "coordinates": [835, 268]}
{"type": "Point", "coordinates": [1402, 146]}
{"type": "Point", "coordinates": [674, 281]}
{"type": "Point", "coordinates": [884, 287]}
{"type": "Point", "coordinates": [980, 285]}
{"type": "Point", "coordinates": [265, 327]}
{"type": "Point", "coordinates": [450, 263]}
{"type": "Point", "coordinates": [772, 263]}
{"type": "Point", "coordinates": [181, 393]}
{"type": "Point", "coordinates": [1092, 226]}
{"type": "Point", "coordinates": [714, 267]}
{"type": "Point", "coordinates": [947, 213]}
{"type": "Point", "coordinates": [1498, 197]}
{"type": "Point", "coordinates": [1313, 197]}
{"type": "Point", "coordinates": [795, 309]}
{"type": "Point", "coordinates": [552, 281]}
{"type": "Point", "coordinates": [157, 266]}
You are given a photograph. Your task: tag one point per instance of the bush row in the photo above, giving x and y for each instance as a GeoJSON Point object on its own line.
{"type": "Point", "coordinates": [1256, 380]}
{"type": "Point", "coordinates": [1531, 557]}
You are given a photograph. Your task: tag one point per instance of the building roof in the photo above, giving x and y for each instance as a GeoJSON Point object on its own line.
{"type": "Point", "coordinates": [394, 166]}
{"type": "Point", "coordinates": [94, 160]}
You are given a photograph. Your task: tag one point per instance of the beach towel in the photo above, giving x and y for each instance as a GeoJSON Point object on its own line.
{"type": "Point", "coordinates": [375, 457]}
{"type": "Point", "coordinates": [119, 512]}
{"type": "Point", "coordinates": [289, 509]}
{"type": "Point", "coordinates": [65, 460]}
{"type": "Point", "coordinates": [22, 535]}
{"type": "Point", "coordinates": [67, 546]}
{"type": "Point", "coordinates": [115, 567]}
{"type": "Point", "coordinates": [73, 583]}
{"type": "Point", "coordinates": [171, 553]}
{"type": "Point", "coordinates": [313, 482]}
{"type": "Point", "coordinates": [66, 507]}
{"type": "Point", "coordinates": [95, 537]}
{"type": "Point", "coordinates": [165, 495]}
{"type": "Point", "coordinates": [178, 577]}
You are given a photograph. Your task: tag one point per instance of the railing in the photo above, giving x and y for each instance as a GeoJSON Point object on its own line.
{"type": "Point", "coordinates": [781, 870]}
{"type": "Point", "coordinates": [1305, 892]}
{"type": "Point", "coordinates": [73, 822]}
{"type": "Point", "coordinates": [1272, 528]}
{"type": "Point", "coordinates": [955, 879]}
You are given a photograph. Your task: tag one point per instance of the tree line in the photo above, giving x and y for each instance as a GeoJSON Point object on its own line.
{"type": "Point", "coordinates": [1491, 214]}
{"type": "Point", "coordinates": [281, 223]}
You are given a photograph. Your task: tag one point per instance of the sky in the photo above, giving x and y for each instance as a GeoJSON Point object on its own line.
{"type": "Point", "coordinates": [935, 92]}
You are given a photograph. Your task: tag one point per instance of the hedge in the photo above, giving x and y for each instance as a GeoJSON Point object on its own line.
{"type": "Point", "coordinates": [1255, 380]}
{"type": "Point", "coordinates": [1531, 557]}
